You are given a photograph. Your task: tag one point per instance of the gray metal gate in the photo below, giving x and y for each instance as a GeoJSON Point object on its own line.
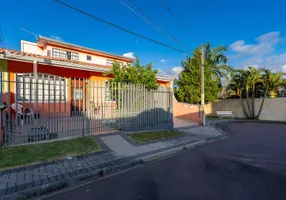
{"type": "Point", "coordinates": [42, 107]}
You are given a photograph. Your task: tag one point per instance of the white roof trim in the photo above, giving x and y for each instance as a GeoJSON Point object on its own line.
{"type": "Point", "coordinates": [165, 78]}
{"type": "Point", "coordinates": [56, 63]}
{"type": "Point", "coordinates": [67, 64]}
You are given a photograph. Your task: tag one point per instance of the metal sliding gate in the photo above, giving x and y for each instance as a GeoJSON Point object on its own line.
{"type": "Point", "coordinates": [36, 107]}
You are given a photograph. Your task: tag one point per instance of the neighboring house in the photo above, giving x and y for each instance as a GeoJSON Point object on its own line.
{"type": "Point", "coordinates": [64, 63]}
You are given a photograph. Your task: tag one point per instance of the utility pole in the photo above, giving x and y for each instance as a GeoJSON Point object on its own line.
{"type": "Point", "coordinates": [203, 85]}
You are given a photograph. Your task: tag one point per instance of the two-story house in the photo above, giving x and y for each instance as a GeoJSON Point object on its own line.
{"type": "Point", "coordinates": [68, 65]}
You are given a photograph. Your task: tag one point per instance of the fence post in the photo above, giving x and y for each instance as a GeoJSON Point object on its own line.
{"type": "Point", "coordinates": [171, 104]}
{"type": "Point", "coordinates": [88, 107]}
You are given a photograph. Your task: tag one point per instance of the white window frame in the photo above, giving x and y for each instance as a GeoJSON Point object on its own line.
{"type": "Point", "coordinates": [108, 62]}
{"type": "Point", "coordinates": [106, 90]}
{"type": "Point", "coordinates": [62, 53]}
{"type": "Point", "coordinates": [64, 94]}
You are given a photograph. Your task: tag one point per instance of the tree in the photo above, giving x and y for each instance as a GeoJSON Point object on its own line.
{"type": "Point", "coordinates": [252, 83]}
{"type": "Point", "coordinates": [246, 80]}
{"type": "Point", "coordinates": [136, 74]}
{"type": "Point", "coordinates": [216, 60]}
{"type": "Point", "coordinates": [189, 80]}
{"type": "Point", "coordinates": [272, 81]}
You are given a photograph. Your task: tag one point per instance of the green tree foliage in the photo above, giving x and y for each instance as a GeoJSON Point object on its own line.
{"type": "Point", "coordinates": [136, 74]}
{"type": "Point", "coordinates": [253, 83]}
{"type": "Point", "coordinates": [189, 80]}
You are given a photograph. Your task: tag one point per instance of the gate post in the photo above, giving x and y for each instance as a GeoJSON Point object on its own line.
{"type": "Point", "coordinates": [88, 107]}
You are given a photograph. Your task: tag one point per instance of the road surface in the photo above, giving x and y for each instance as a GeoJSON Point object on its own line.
{"type": "Point", "coordinates": [250, 165]}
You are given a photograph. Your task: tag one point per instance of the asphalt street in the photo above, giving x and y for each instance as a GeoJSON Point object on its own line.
{"type": "Point", "coordinates": [249, 165]}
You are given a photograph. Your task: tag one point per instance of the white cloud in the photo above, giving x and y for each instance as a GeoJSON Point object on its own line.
{"type": "Point", "coordinates": [262, 48]}
{"type": "Point", "coordinates": [254, 66]}
{"type": "Point", "coordinates": [283, 68]}
{"type": "Point", "coordinates": [259, 55]}
{"type": "Point", "coordinates": [270, 38]}
{"type": "Point", "coordinates": [173, 72]}
{"type": "Point", "coordinates": [129, 55]}
{"type": "Point", "coordinates": [55, 37]}
{"type": "Point", "coordinates": [163, 61]}
{"type": "Point", "coordinates": [265, 45]}
{"type": "Point", "coordinates": [276, 63]}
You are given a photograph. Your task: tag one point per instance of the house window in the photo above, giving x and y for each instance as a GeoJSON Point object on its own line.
{"type": "Point", "coordinates": [48, 87]}
{"type": "Point", "coordinates": [107, 92]}
{"type": "Point", "coordinates": [58, 53]}
{"type": "Point", "coordinates": [110, 62]}
{"type": "Point", "coordinates": [78, 94]}
{"type": "Point", "coordinates": [88, 58]}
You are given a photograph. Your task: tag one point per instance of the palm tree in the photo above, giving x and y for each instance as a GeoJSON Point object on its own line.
{"type": "Point", "coordinates": [216, 60]}
{"type": "Point", "coordinates": [254, 76]}
{"type": "Point", "coordinates": [238, 84]}
{"type": "Point", "coordinates": [246, 80]}
{"type": "Point", "coordinates": [272, 81]}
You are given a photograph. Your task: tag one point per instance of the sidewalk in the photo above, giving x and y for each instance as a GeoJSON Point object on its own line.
{"type": "Point", "coordinates": [120, 153]}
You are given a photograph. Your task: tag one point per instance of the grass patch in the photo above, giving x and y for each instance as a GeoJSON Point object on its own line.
{"type": "Point", "coordinates": [35, 153]}
{"type": "Point", "coordinates": [212, 118]}
{"type": "Point", "coordinates": [144, 137]}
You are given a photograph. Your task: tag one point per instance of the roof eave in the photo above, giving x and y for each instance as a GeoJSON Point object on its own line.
{"type": "Point", "coordinates": [167, 79]}
{"type": "Point", "coordinates": [55, 63]}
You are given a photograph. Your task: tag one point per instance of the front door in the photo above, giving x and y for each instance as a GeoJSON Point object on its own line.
{"type": "Point", "coordinates": [78, 96]}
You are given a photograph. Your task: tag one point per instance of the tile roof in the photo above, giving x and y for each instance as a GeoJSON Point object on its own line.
{"type": "Point", "coordinates": [15, 52]}
{"type": "Point", "coordinates": [105, 67]}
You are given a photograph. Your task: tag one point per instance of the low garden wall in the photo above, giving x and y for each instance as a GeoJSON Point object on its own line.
{"type": "Point", "coordinates": [187, 111]}
{"type": "Point", "coordinates": [273, 109]}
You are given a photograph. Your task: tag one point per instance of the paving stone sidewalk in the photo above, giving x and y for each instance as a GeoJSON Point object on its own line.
{"type": "Point", "coordinates": [121, 145]}
{"type": "Point", "coordinates": [23, 178]}
{"type": "Point", "coordinates": [118, 149]}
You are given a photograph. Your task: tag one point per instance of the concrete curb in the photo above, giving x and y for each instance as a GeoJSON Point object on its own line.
{"type": "Point", "coordinates": [113, 168]}
{"type": "Point", "coordinates": [167, 153]}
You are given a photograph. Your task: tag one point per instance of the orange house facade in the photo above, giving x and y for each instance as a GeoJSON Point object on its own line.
{"type": "Point", "coordinates": [68, 65]}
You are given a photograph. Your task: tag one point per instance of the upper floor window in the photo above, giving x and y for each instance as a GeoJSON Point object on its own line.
{"type": "Point", "coordinates": [59, 53]}
{"type": "Point", "coordinates": [88, 58]}
{"type": "Point", "coordinates": [110, 62]}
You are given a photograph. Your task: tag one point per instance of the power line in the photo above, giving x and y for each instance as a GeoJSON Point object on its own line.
{"type": "Point", "coordinates": [118, 27]}
{"type": "Point", "coordinates": [30, 32]}
{"type": "Point", "coordinates": [2, 38]}
{"type": "Point", "coordinates": [177, 19]}
{"type": "Point", "coordinates": [149, 21]}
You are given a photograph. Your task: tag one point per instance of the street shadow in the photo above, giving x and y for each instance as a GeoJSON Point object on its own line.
{"type": "Point", "coordinates": [153, 119]}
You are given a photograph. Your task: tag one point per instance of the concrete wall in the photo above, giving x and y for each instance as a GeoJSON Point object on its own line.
{"type": "Point", "coordinates": [187, 111]}
{"type": "Point", "coordinates": [31, 47]}
{"type": "Point", "coordinates": [273, 109]}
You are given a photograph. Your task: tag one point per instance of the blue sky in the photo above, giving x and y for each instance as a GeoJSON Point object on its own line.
{"type": "Point", "coordinates": [254, 30]}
